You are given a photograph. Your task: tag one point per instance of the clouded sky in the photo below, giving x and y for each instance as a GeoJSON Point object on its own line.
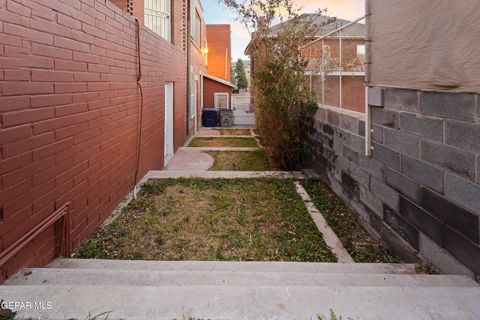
{"type": "Point", "coordinates": [216, 12]}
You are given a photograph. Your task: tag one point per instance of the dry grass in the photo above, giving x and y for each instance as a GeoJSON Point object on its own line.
{"type": "Point", "coordinates": [224, 142]}
{"type": "Point", "coordinates": [359, 244]}
{"type": "Point", "coordinates": [234, 132]}
{"type": "Point", "coordinates": [196, 219]}
{"type": "Point", "coordinates": [240, 161]}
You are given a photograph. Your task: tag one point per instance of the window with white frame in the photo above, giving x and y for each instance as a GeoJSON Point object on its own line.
{"type": "Point", "coordinates": [221, 100]}
{"type": "Point", "coordinates": [196, 32]}
{"type": "Point", "coordinates": [158, 17]}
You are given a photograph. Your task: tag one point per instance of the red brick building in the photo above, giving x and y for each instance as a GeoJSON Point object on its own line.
{"type": "Point", "coordinates": [217, 91]}
{"type": "Point", "coordinates": [86, 95]}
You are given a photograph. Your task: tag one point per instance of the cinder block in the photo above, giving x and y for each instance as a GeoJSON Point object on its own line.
{"type": "Point", "coordinates": [402, 184]}
{"type": "Point", "coordinates": [377, 134]}
{"type": "Point", "coordinates": [361, 128]}
{"type": "Point", "coordinates": [400, 99]}
{"type": "Point", "coordinates": [463, 192]}
{"type": "Point", "coordinates": [359, 174]}
{"type": "Point", "coordinates": [425, 127]}
{"type": "Point", "coordinates": [423, 173]}
{"type": "Point", "coordinates": [464, 250]}
{"type": "Point", "coordinates": [384, 193]}
{"type": "Point", "coordinates": [385, 118]}
{"type": "Point", "coordinates": [451, 159]}
{"type": "Point", "coordinates": [478, 169]}
{"type": "Point", "coordinates": [463, 135]}
{"type": "Point", "coordinates": [460, 219]}
{"type": "Point", "coordinates": [440, 258]}
{"type": "Point", "coordinates": [372, 202]}
{"type": "Point", "coordinates": [423, 220]}
{"type": "Point", "coordinates": [349, 123]}
{"type": "Point", "coordinates": [372, 166]}
{"type": "Point", "coordinates": [357, 143]}
{"type": "Point", "coordinates": [460, 106]}
{"type": "Point", "coordinates": [401, 226]}
{"type": "Point", "coordinates": [402, 142]}
{"type": "Point", "coordinates": [386, 156]}
{"type": "Point", "coordinates": [376, 97]}
{"type": "Point", "coordinates": [333, 118]}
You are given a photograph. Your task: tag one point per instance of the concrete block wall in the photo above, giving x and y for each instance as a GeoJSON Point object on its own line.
{"type": "Point", "coordinates": [419, 192]}
{"type": "Point", "coordinates": [69, 109]}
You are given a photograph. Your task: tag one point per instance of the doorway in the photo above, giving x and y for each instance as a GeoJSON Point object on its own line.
{"type": "Point", "coordinates": [168, 145]}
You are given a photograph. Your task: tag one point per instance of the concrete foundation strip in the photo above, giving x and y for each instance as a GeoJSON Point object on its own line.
{"type": "Point", "coordinates": [226, 174]}
{"type": "Point", "coordinates": [219, 148]}
{"type": "Point", "coordinates": [329, 235]}
{"type": "Point", "coordinates": [224, 136]}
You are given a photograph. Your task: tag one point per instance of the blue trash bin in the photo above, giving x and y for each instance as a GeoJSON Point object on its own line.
{"type": "Point", "coordinates": [209, 117]}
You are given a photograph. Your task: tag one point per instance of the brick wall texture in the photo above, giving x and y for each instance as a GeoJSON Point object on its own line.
{"type": "Point", "coordinates": [420, 191]}
{"type": "Point", "coordinates": [219, 51]}
{"type": "Point", "coordinates": [70, 111]}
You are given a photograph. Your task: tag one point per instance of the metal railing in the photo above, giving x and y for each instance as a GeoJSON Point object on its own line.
{"type": "Point", "coordinates": [62, 234]}
{"type": "Point", "coordinates": [336, 66]}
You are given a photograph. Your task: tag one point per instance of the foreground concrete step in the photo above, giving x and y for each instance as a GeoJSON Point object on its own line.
{"type": "Point", "coordinates": [221, 302]}
{"type": "Point", "coordinates": [247, 266]}
{"type": "Point", "coordinates": [105, 277]}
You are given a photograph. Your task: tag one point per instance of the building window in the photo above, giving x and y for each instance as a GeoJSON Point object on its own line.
{"type": "Point", "coordinates": [158, 17]}
{"type": "Point", "coordinates": [221, 100]}
{"type": "Point", "coordinates": [361, 51]}
{"type": "Point", "coordinates": [197, 29]}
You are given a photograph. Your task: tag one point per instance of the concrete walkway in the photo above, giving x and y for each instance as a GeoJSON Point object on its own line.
{"type": "Point", "coordinates": [185, 160]}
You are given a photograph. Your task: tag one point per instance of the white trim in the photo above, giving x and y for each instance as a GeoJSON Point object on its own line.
{"type": "Point", "coordinates": [337, 73]}
{"type": "Point", "coordinates": [355, 114]}
{"type": "Point", "coordinates": [217, 94]}
{"type": "Point", "coordinates": [218, 80]}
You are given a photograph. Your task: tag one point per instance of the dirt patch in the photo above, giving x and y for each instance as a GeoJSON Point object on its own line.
{"type": "Point", "coordinates": [224, 142]}
{"type": "Point", "coordinates": [219, 219]}
{"type": "Point", "coordinates": [240, 161]}
{"type": "Point", "coordinates": [234, 132]}
{"type": "Point", "coordinates": [359, 244]}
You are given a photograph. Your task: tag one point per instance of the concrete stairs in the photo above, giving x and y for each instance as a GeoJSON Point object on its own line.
{"type": "Point", "coordinates": [241, 290]}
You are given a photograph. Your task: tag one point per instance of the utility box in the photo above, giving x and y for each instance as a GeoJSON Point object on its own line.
{"type": "Point", "coordinates": [226, 118]}
{"type": "Point", "coordinates": [209, 117]}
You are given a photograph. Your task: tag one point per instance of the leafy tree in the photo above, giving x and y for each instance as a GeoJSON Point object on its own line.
{"type": "Point", "coordinates": [283, 102]}
{"type": "Point", "coordinates": [240, 75]}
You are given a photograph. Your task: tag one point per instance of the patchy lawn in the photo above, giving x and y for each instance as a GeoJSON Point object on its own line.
{"type": "Point", "coordinates": [240, 161]}
{"type": "Point", "coordinates": [224, 142]}
{"type": "Point", "coordinates": [359, 244]}
{"type": "Point", "coordinates": [234, 132]}
{"type": "Point", "coordinates": [219, 219]}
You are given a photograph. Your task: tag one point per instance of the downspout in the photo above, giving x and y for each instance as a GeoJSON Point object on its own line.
{"type": "Point", "coordinates": [368, 62]}
{"type": "Point", "coordinates": [187, 118]}
{"type": "Point", "coordinates": [140, 124]}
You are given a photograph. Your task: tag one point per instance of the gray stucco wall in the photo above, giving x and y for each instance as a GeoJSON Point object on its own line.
{"type": "Point", "coordinates": [419, 192]}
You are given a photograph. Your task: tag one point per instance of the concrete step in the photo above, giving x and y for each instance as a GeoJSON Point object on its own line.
{"type": "Point", "coordinates": [106, 277]}
{"type": "Point", "coordinates": [239, 302]}
{"type": "Point", "coordinates": [247, 266]}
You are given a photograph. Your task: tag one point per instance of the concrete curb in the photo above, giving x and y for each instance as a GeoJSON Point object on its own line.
{"type": "Point", "coordinates": [329, 235]}
{"type": "Point", "coordinates": [219, 148]}
{"type": "Point", "coordinates": [226, 174]}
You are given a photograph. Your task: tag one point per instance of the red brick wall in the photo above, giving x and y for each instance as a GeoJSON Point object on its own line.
{"type": "Point", "coordinates": [210, 87]}
{"type": "Point", "coordinates": [219, 51]}
{"type": "Point", "coordinates": [69, 110]}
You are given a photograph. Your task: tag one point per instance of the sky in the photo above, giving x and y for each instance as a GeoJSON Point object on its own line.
{"type": "Point", "coordinates": [216, 13]}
